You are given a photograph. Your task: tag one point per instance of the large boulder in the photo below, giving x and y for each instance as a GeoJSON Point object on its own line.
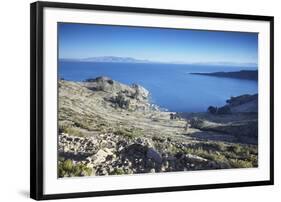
{"type": "Point", "coordinates": [153, 154]}
{"type": "Point", "coordinates": [101, 84]}
{"type": "Point", "coordinates": [101, 156]}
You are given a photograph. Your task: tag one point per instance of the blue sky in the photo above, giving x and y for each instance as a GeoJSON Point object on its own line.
{"type": "Point", "coordinates": [78, 41]}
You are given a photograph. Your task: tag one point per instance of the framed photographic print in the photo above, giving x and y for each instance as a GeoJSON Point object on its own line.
{"type": "Point", "coordinates": [136, 100]}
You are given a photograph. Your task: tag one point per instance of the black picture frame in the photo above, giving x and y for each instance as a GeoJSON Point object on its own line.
{"type": "Point", "coordinates": [36, 98]}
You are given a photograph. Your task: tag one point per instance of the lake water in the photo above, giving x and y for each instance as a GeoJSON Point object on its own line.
{"type": "Point", "coordinates": [171, 86]}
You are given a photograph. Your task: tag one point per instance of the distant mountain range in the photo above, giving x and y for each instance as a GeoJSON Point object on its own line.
{"type": "Point", "coordinates": [134, 60]}
{"type": "Point", "coordinates": [243, 74]}
{"type": "Point", "coordinates": [110, 59]}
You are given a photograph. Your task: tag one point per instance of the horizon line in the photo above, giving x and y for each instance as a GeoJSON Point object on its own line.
{"type": "Point", "coordinates": [137, 60]}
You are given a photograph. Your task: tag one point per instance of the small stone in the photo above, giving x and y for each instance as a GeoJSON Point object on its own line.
{"type": "Point", "coordinates": [89, 159]}
{"type": "Point", "coordinates": [109, 158]}
{"type": "Point", "coordinates": [152, 170]}
{"type": "Point", "coordinates": [76, 139]}
{"type": "Point", "coordinates": [66, 149]}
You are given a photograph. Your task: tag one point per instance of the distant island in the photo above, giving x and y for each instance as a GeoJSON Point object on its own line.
{"type": "Point", "coordinates": [243, 74]}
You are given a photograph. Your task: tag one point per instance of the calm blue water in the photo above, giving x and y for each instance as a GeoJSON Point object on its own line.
{"type": "Point", "coordinates": [171, 85]}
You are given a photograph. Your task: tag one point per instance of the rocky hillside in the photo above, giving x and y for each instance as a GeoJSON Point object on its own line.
{"type": "Point", "coordinates": [244, 103]}
{"type": "Point", "coordinates": [108, 128]}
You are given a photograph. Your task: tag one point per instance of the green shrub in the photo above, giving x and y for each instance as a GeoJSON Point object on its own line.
{"type": "Point", "coordinates": [234, 148]}
{"type": "Point", "coordinates": [67, 165]}
{"type": "Point", "coordinates": [118, 171]}
{"type": "Point", "coordinates": [234, 155]}
{"type": "Point", "coordinates": [158, 139]}
{"type": "Point", "coordinates": [67, 168]}
{"type": "Point", "coordinates": [121, 101]}
{"type": "Point", "coordinates": [236, 163]}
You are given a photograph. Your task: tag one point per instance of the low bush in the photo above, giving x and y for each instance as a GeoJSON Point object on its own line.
{"type": "Point", "coordinates": [118, 171]}
{"type": "Point", "coordinates": [212, 109]}
{"type": "Point", "coordinates": [67, 168]}
{"type": "Point", "coordinates": [234, 155]}
{"type": "Point", "coordinates": [236, 163]}
{"type": "Point", "coordinates": [121, 101]}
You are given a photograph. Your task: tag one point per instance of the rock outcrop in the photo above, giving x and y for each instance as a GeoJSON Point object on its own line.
{"type": "Point", "coordinates": [243, 103]}
{"type": "Point", "coordinates": [126, 156]}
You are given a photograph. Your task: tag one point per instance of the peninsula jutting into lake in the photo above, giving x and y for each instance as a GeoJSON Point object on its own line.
{"type": "Point", "coordinates": [243, 74]}
{"type": "Point", "coordinates": [151, 100]}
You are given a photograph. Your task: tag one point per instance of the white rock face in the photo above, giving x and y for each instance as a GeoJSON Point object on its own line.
{"type": "Point", "coordinates": [195, 158]}
{"type": "Point", "coordinates": [101, 155]}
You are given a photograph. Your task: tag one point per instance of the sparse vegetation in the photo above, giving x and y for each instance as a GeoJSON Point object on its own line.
{"type": "Point", "coordinates": [236, 163]}
{"type": "Point", "coordinates": [234, 155]}
{"type": "Point", "coordinates": [74, 131]}
{"type": "Point", "coordinates": [67, 168]}
{"type": "Point", "coordinates": [158, 139]}
{"type": "Point", "coordinates": [129, 133]}
{"type": "Point", "coordinates": [118, 171]}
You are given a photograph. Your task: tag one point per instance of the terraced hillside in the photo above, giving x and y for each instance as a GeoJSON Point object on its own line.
{"type": "Point", "coordinates": [109, 128]}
